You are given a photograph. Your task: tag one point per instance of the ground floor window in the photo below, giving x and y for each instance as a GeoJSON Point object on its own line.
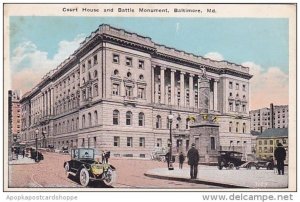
{"type": "Point", "coordinates": [142, 142]}
{"type": "Point", "coordinates": [129, 141]}
{"type": "Point", "coordinates": [116, 141]}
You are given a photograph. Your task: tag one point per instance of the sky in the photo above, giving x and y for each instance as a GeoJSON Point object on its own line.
{"type": "Point", "coordinates": [39, 44]}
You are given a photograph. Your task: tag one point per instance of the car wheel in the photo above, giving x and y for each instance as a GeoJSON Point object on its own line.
{"type": "Point", "coordinates": [84, 177]}
{"type": "Point", "coordinates": [257, 167]}
{"type": "Point", "coordinates": [230, 166]}
{"type": "Point", "coordinates": [67, 168]}
{"type": "Point", "coordinates": [110, 177]}
{"type": "Point", "coordinates": [238, 167]}
{"type": "Point", "coordinates": [270, 167]}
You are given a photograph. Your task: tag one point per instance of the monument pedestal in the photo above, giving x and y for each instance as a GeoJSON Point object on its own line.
{"type": "Point", "coordinates": [205, 134]}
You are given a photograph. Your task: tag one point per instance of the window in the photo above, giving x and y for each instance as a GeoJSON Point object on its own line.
{"type": "Point", "coordinates": [95, 93]}
{"type": "Point", "coordinates": [230, 126]}
{"type": "Point", "coordinates": [244, 87]}
{"type": "Point", "coordinates": [95, 74]}
{"type": "Point", "coordinates": [271, 142]}
{"type": "Point", "coordinates": [89, 64]}
{"type": "Point", "coordinates": [83, 121]}
{"type": "Point", "coordinates": [83, 68]}
{"type": "Point", "coordinates": [116, 72]}
{"type": "Point", "coordinates": [116, 141]}
{"type": "Point", "coordinates": [244, 127]}
{"type": "Point", "coordinates": [271, 150]}
{"type": "Point", "coordinates": [141, 119]}
{"type": "Point", "coordinates": [230, 106]}
{"type": "Point", "coordinates": [129, 141]}
{"type": "Point", "coordinates": [237, 107]}
{"type": "Point", "coordinates": [96, 117]}
{"type": "Point", "coordinates": [141, 93]}
{"type": "Point", "coordinates": [237, 86]}
{"type": "Point", "coordinates": [95, 59]}
{"type": "Point", "coordinates": [212, 143]}
{"type": "Point", "coordinates": [129, 74]}
{"type": "Point", "coordinates": [128, 91]}
{"type": "Point", "coordinates": [95, 142]}
{"type": "Point", "coordinates": [90, 119]}
{"type": "Point", "coordinates": [128, 61]}
{"type": "Point", "coordinates": [116, 58]}
{"type": "Point", "coordinates": [187, 123]}
{"type": "Point", "coordinates": [89, 76]}
{"type": "Point", "coordinates": [115, 89]}
{"type": "Point", "coordinates": [230, 84]}
{"type": "Point", "coordinates": [284, 141]}
{"type": "Point", "coordinates": [260, 142]}
{"type": "Point", "coordinates": [116, 115]}
{"type": "Point", "coordinates": [141, 64]}
{"type": "Point", "coordinates": [237, 127]}
{"type": "Point", "coordinates": [158, 121]}
{"type": "Point", "coordinates": [142, 142]}
{"type": "Point", "coordinates": [265, 142]}
{"type": "Point", "coordinates": [141, 77]}
{"type": "Point", "coordinates": [244, 108]}
{"type": "Point", "coordinates": [159, 142]}
{"type": "Point", "coordinates": [128, 118]}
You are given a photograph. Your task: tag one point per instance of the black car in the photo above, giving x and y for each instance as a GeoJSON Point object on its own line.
{"type": "Point", "coordinates": [33, 155]}
{"type": "Point", "coordinates": [84, 166]}
{"type": "Point", "coordinates": [230, 159]}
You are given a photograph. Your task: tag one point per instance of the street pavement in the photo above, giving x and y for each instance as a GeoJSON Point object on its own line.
{"type": "Point", "coordinates": [211, 175]}
{"type": "Point", "coordinates": [21, 161]}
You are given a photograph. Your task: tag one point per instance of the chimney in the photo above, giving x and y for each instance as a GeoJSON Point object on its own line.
{"type": "Point", "coordinates": [272, 115]}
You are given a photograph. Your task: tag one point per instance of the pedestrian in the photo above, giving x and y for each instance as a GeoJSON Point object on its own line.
{"type": "Point", "coordinates": [107, 156]}
{"type": "Point", "coordinates": [193, 156]}
{"type": "Point", "coordinates": [167, 156]}
{"type": "Point", "coordinates": [103, 156]}
{"type": "Point", "coordinates": [181, 160]}
{"type": "Point", "coordinates": [280, 155]}
{"type": "Point", "coordinates": [23, 153]}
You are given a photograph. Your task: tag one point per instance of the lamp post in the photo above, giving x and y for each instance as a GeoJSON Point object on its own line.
{"type": "Point", "coordinates": [36, 144]}
{"type": "Point", "coordinates": [170, 118]}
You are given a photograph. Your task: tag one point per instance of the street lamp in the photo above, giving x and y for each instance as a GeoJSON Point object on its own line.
{"type": "Point", "coordinates": [170, 118]}
{"type": "Point", "coordinates": [36, 144]}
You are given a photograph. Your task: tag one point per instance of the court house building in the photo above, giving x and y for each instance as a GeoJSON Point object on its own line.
{"type": "Point", "coordinates": [117, 89]}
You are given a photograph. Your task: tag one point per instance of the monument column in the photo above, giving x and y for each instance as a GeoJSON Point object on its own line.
{"type": "Point", "coordinates": [182, 97]}
{"type": "Point", "coordinates": [204, 93]}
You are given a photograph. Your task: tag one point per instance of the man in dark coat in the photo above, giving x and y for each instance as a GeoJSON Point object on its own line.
{"type": "Point", "coordinates": [280, 155]}
{"type": "Point", "coordinates": [193, 156]}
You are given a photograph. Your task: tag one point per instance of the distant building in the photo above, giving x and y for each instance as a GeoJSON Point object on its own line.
{"type": "Point", "coordinates": [15, 113]}
{"type": "Point", "coordinates": [273, 117]}
{"type": "Point", "coordinates": [267, 142]}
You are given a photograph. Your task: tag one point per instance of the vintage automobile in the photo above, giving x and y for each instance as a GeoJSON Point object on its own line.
{"type": "Point", "coordinates": [268, 164]}
{"type": "Point", "coordinates": [230, 159]}
{"type": "Point", "coordinates": [84, 166]}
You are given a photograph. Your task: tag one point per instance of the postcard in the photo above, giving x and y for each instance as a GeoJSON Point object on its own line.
{"type": "Point", "coordinates": [149, 97]}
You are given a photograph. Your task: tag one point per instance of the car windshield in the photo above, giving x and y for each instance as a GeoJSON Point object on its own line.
{"type": "Point", "coordinates": [86, 153]}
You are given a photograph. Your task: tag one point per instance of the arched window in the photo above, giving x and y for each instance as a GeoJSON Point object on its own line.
{"type": "Point", "coordinates": [141, 119]}
{"type": "Point", "coordinates": [77, 123]}
{"type": "Point", "coordinates": [128, 74]}
{"type": "Point", "coordinates": [158, 121]}
{"type": "Point", "coordinates": [96, 117]}
{"type": "Point", "coordinates": [116, 116]}
{"type": "Point", "coordinates": [90, 119]}
{"type": "Point", "coordinates": [141, 77]}
{"type": "Point", "coordinates": [187, 123]}
{"type": "Point", "coordinates": [230, 126]}
{"type": "Point", "coordinates": [237, 127]}
{"type": "Point", "coordinates": [244, 127]}
{"type": "Point", "coordinates": [90, 77]}
{"type": "Point", "coordinates": [116, 72]}
{"type": "Point", "coordinates": [95, 74]}
{"type": "Point", "coordinates": [83, 121]}
{"type": "Point", "coordinates": [129, 118]}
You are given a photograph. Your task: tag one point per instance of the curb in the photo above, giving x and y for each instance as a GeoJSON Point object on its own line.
{"type": "Point", "coordinates": [181, 179]}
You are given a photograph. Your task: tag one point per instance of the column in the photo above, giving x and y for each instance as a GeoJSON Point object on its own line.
{"type": "Point", "coordinates": [215, 95]}
{"type": "Point", "coordinates": [153, 84]}
{"type": "Point", "coordinates": [191, 89]}
{"type": "Point", "coordinates": [173, 86]}
{"type": "Point", "coordinates": [162, 85]}
{"type": "Point", "coordinates": [49, 102]}
{"type": "Point", "coordinates": [52, 101]}
{"type": "Point", "coordinates": [182, 93]}
{"type": "Point", "coordinates": [211, 96]}
{"type": "Point", "coordinates": [199, 79]}
{"type": "Point", "coordinates": [43, 104]}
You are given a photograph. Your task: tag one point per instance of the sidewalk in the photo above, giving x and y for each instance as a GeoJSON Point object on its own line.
{"type": "Point", "coordinates": [210, 175]}
{"type": "Point", "coordinates": [21, 161]}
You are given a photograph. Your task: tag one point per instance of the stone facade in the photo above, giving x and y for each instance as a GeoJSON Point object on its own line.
{"type": "Point", "coordinates": [116, 91]}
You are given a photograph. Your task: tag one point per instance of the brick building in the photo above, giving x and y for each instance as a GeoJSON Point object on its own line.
{"type": "Point", "coordinates": [117, 89]}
